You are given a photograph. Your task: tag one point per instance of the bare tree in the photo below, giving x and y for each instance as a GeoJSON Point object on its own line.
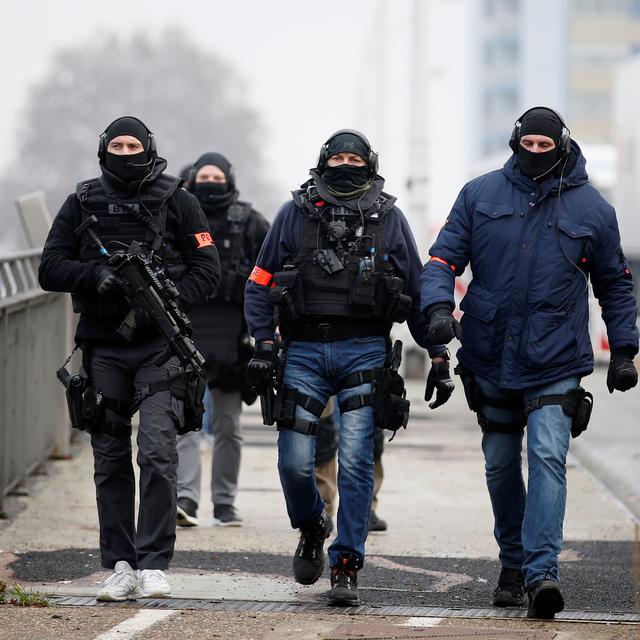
{"type": "Point", "coordinates": [191, 99]}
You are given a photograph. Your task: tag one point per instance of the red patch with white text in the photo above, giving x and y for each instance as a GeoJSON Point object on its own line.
{"type": "Point", "coordinates": [203, 239]}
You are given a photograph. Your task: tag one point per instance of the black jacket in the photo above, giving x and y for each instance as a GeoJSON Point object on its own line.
{"type": "Point", "coordinates": [60, 269]}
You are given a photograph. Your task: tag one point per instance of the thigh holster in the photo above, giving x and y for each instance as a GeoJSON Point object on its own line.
{"type": "Point", "coordinates": [478, 401]}
{"type": "Point", "coordinates": [187, 386]}
{"type": "Point", "coordinates": [284, 410]}
{"type": "Point", "coordinates": [388, 397]}
{"type": "Point", "coordinates": [576, 404]}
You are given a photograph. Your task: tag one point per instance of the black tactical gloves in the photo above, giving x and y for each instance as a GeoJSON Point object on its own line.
{"type": "Point", "coordinates": [443, 327]}
{"type": "Point", "coordinates": [622, 374]}
{"type": "Point", "coordinates": [261, 367]}
{"type": "Point", "coordinates": [439, 380]}
{"type": "Point", "coordinates": [106, 279]}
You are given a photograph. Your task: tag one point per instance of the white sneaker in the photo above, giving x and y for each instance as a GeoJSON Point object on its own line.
{"type": "Point", "coordinates": [154, 583]}
{"type": "Point", "coordinates": [122, 584]}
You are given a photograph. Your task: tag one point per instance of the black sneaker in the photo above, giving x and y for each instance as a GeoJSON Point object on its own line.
{"type": "Point", "coordinates": [225, 515]}
{"type": "Point", "coordinates": [545, 599]}
{"type": "Point", "coordinates": [510, 589]}
{"type": "Point", "coordinates": [308, 561]}
{"type": "Point", "coordinates": [344, 583]}
{"type": "Point", "coordinates": [187, 512]}
{"type": "Point", "coordinates": [376, 524]}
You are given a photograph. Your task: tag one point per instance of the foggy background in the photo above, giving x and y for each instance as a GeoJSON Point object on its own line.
{"type": "Point", "coordinates": [435, 84]}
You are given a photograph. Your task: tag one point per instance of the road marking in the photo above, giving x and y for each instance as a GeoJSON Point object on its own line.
{"type": "Point", "coordinates": [422, 622]}
{"type": "Point", "coordinates": [133, 626]}
{"type": "Point", "coordinates": [444, 580]}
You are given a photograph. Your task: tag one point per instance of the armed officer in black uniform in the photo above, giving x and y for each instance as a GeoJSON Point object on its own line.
{"type": "Point", "coordinates": [133, 200]}
{"type": "Point", "coordinates": [221, 335]}
{"type": "Point", "coordinates": [340, 265]}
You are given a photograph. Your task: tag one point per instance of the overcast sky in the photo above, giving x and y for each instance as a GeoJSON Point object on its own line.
{"type": "Point", "coordinates": [303, 62]}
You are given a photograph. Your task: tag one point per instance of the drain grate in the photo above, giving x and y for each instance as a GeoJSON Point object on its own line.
{"type": "Point", "coordinates": [300, 607]}
{"type": "Point", "coordinates": [390, 632]}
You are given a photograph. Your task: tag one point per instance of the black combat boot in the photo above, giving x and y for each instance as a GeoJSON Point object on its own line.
{"type": "Point", "coordinates": [545, 599]}
{"type": "Point", "coordinates": [510, 589]}
{"type": "Point", "coordinates": [344, 582]}
{"type": "Point", "coordinates": [308, 561]}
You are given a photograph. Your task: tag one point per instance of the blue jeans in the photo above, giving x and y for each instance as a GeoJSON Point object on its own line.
{"type": "Point", "coordinates": [207, 419]}
{"type": "Point", "coordinates": [528, 524]}
{"type": "Point", "coordinates": [315, 369]}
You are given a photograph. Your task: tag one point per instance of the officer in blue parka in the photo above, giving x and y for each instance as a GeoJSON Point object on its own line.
{"type": "Point", "coordinates": [534, 233]}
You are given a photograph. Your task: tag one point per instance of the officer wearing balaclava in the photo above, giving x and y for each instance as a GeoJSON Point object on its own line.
{"type": "Point", "coordinates": [221, 335]}
{"type": "Point", "coordinates": [337, 269]}
{"type": "Point", "coordinates": [534, 233]}
{"type": "Point", "coordinates": [132, 200]}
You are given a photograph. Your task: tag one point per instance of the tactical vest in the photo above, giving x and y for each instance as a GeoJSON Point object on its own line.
{"type": "Point", "coordinates": [219, 326]}
{"type": "Point", "coordinates": [341, 270]}
{"type": "Point", "coordinates": [233, 241]}
{"type": "Point", "coordinates": [121, 220]}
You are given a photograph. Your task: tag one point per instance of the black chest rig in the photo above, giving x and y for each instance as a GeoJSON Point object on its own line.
{"type": "Point", "coordinates": [231, 234]}
{"type": "Point", "coordinates": [123, 219]}
{"type": "Point", "coordinates": [341, 270]}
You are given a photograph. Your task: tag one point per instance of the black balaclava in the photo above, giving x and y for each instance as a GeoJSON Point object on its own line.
{"type": "Point", "coordinates": [129, 168]}
{"type": "Point", "coordinates": [345, 180]}
{"type": "Point", "coordinates": [214, 197]}
{"type": "Point", "coordinates": [542, 122]}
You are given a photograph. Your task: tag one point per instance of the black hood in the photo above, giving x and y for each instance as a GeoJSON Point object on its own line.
{"type": "Point", "coordinates": [363, 202]}
{"type": "Point", "coordinates": [112, 184]}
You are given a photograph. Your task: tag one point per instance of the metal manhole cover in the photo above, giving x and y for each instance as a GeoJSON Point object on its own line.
{"type": "Point", "coordinates": [349, 631]}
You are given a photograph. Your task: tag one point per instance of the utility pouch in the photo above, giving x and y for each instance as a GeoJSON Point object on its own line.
{"type": "Point", "coordinates": [362, 289]}
{"type": "Point", "coordinates": [190, 388]}
{"type": "Point", "coordinates": [578, 404]}
{"type": "Point", "coordinates": [392, 303]}
{"type": "Point", "coordinates": [285, 294]}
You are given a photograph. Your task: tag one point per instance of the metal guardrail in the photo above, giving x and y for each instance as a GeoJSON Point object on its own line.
{"type": "Point", "coordinates": [35, 335]}
{"type": "Point", "coordinates": [19, 272]}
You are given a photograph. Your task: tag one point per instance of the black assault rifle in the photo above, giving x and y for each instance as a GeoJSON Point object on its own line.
{"type": "Point", "coordinates": [157, 297]}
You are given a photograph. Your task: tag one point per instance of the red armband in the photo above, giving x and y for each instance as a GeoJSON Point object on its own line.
{"type": "Point", "coordinates": [436, 259]}
{"type": "Point", "coordinates": [260, 276]}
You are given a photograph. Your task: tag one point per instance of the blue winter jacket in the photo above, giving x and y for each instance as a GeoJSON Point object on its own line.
{"type": "Point", "coordinates": [283, 241]}
{"type": "Point", "coordinates": [531, 249]}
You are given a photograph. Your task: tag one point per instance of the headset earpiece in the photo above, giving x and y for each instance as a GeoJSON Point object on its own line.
{"type": "Point", "coordinates": [372, 159]}
{"type": "Point", "coordinates": [564, 143]}
{"type": "Point", "coordinates": [151, 141]}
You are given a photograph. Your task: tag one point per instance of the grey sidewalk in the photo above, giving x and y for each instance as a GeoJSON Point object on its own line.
{"type": "Point", "coordinates": [438, 551]}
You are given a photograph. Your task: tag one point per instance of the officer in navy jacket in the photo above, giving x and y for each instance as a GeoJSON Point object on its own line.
{"type": "Point", "coordinates": [338, 266]}
{"type": "Point", "coordinates": [533, 233]}
{"type": "Point", "coordinates": [133, 200]}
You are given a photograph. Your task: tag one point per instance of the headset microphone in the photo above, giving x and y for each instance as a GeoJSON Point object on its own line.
{"type": "Point", "coordinates": [141, 164]}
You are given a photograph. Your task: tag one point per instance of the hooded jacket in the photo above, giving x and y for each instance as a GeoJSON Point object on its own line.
{"type": "Point", "coordinates": [532, 248]}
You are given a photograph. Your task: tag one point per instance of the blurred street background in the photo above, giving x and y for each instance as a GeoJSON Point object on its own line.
{"type": "Point", "coordinates": [436, 86]}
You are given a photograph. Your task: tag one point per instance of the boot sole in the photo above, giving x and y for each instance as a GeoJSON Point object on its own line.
{"type": "Point", "coordinates": [507, 599]}
{"type": "Point", "coordinates": [338, 601]}
{"type": "Point", "coordinates": [546, 604]}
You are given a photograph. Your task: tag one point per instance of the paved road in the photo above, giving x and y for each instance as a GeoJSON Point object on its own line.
{"type": "Point", "coordinates": [439, 550]}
